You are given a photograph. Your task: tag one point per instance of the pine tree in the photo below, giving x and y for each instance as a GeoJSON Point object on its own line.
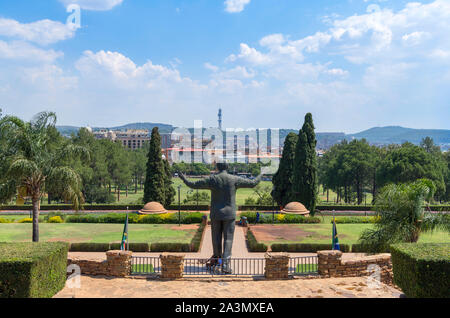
{"type": "Point", "coordinates": [282, 180]}
{"type": "Point", "coordinates": [305, 166]}
{"type": "Point", "coordinates": [170, 191]}
{"type": "Point", "coordinates": [154, 187]}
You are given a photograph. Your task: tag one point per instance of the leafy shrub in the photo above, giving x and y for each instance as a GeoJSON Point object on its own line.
{"type": "Point", "coordinates": [2, 220]}
{"type": "Point", "coordinates": [26, 220]}
{"type": "Point", "coordinates": [32, 270]}
{"type": "Point", "coordinates": [267, 218]}
{"type": "Point", "coordinates": [53, 214]}
{"type": "Point", "coordinates": [89, 247]}
{"type": "Point", "coordinates": [306, 248]}
{"type": "Point", "coordinates": [422, 270]}
{"type": "Point", "coordinates": [95, 194]}
{"type": "Point", "coordinates": [55, 219]}
{"type": "Point", "coordinates": [253, 244]}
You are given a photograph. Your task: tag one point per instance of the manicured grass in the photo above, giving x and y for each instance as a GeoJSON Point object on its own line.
{"type": "Point", "coordinates": [142, 268]}
{"type": "Point", "coordinates": [306, 268]}
{"type": "Point", "coordinates": [97, 233]}
{"type": "Point", "coordinates": [348, 234]}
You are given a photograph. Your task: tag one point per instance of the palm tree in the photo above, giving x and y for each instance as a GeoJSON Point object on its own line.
{"type": "Point", "coordinates": [37, 163]}
{"type": "Point", "coordinates": [403, 216]}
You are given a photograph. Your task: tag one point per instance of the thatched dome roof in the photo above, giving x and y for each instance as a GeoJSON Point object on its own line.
{"type": "Point", "coordinates": [295, 208]}
{"type": "Point", "coordinates": [153, 208]}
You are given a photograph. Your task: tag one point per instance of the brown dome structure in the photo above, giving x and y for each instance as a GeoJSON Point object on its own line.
{"type": "Point", "coordinates": [295, 208]}
{"type": "Point", "coordinates": [153, 208]}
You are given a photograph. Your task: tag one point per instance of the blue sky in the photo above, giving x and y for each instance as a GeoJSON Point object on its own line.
{"type": "Point", "coordinates": [354, 64]}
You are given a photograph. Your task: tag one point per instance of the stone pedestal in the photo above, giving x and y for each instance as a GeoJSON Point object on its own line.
{"type": "Point", "coordinates": [119, 263]}
{"type": "Point", "coordinates": [329, 261]}
{"type": "Point", "coordinates": [172, 266]}
{"type": "Point", "coordinates": [277, 266]}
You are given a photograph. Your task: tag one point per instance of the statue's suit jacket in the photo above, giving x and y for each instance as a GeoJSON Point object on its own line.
{"type": "Point", "coordinates": [223, 188]}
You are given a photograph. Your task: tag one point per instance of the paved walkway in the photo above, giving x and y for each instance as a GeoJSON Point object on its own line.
{"type": "Point", "coordinates": [353, 287]}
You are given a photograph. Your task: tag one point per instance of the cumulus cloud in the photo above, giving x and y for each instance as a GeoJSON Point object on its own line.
{"type": "Point", "coordinates": [22, 51]}
{"type": "Point", "coordinates": [94, 5]}
{"type": "Point", "coordinates": [42, 32]}
{"type": "Point", "coordinates": [235, 6]}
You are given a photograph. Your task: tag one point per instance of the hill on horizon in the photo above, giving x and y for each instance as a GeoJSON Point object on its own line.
{"type": "Point", "coordinates": [376, 135]}
{"type": "Point", "coordinates": [399, 135]}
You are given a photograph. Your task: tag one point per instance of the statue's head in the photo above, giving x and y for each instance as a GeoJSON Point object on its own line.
{"type": "Point", "coordinates": [222, 166]}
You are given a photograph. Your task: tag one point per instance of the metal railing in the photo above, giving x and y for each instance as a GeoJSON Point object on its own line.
{"type": "Point", "coordinates": [304, 265]}
{"type": "Point", "coordinates": [234, 266]}
{"type": "Point", "coordinates": [145, 265]}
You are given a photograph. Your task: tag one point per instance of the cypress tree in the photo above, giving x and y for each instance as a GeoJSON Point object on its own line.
{"type": "Point", "coordinates": [305, 166]}
{"type": "Point", "coordinates": [170, 191]}
{"type": "Point", "coordinates": [282, 180]}
{"type": "Point", "coordinates": [154, 187]}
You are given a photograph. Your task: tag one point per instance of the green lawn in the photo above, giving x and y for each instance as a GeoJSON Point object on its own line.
{"type": "Point", "coordinates": [241, 195]}
{"type": "Point", "coordinates": [97, 233]}
{"type": "Point", "coordinates": [348, 234]}
{"type": "Point", "coordinates": [135, 198]}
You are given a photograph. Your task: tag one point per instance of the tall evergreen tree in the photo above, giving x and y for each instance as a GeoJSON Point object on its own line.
{"type": "Point", "coordinates": [282, 180]}
{"type": "Point", "coordinates": [154, 187]}
{"type": "Point", "coordinates": [305, 166]}
{"type": "Point", "coordinates": [170, 191]}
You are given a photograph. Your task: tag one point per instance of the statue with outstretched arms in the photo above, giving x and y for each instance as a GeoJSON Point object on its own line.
{"type": "Point", "coordinates": [223, 187]}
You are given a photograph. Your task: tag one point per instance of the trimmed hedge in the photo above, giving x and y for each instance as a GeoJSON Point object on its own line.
{"type": "Point", "coordinates": [279, 218]}
{"type": "Point", "coordinates": [193, 207]}
{"type": "Point", "coordinates": [32, 270]}
{"type": "Point", "coordinates": [134, 218]}
{"type": "Point", "coordinates": [253, 244]}
{"type": "Point", "coordinates": [360, 248]}
{"type": "Point", "coordinates": [197, 239]}
{"type": "Point", "coordinates": [422, 270]}
{"type": "Point", "coordinates": [134, 247]}
{"type": "Point", "coordinates": [355, 220]}
{"type": "Point", "coordinates": [170, 247]}
{"type": "Point", "coordinates": [99, 207]}
{"type": "Point", "coordinates": [306, 248]}
{"type": "Point", "coordinates": [89, 247]}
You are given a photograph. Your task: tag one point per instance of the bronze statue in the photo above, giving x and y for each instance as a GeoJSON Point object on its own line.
{"type": "Point", "coordinates": [223, 188]}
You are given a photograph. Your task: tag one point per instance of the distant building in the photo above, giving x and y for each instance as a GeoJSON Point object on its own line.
{"type": "Point", "coordinates": [131, 138]}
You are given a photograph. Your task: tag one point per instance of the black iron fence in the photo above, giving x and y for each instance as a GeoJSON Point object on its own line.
{"type": "Point", "coordinates": [306, 265]}
{"type": "Point", "coordinates": [145, 265]}
{"type": "Point", "coordinates": [234, 266]}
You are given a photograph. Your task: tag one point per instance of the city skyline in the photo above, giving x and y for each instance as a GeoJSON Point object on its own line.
{"type": "Point", "coordinates": [354, 65]}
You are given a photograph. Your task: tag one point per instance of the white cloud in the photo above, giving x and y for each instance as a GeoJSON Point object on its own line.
{"type": "Point", "coordinates": [211, 67]}
{"type": "Point", "coordinates": [42, 32]}
{"type": "Point", "coordinates": [415, 38]}
{"type": "Point", "coordinates": [94, 5]}
{"type": "Point", "coordinates": [250, 55]}
{"type": "Point", "coordinates": [19, 50]}
{"type": "Point", "coordinates": [235, 6]}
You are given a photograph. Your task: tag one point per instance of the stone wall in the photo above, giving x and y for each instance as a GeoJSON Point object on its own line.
{"type": "Point", "coordinates": [172, 266]}
{"type": "Point", "coordinates": [331, 265]}
{"type": "Point", "coordinates": [277, 266]}
{"type": "Point", "coordinates": [117, 264]}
